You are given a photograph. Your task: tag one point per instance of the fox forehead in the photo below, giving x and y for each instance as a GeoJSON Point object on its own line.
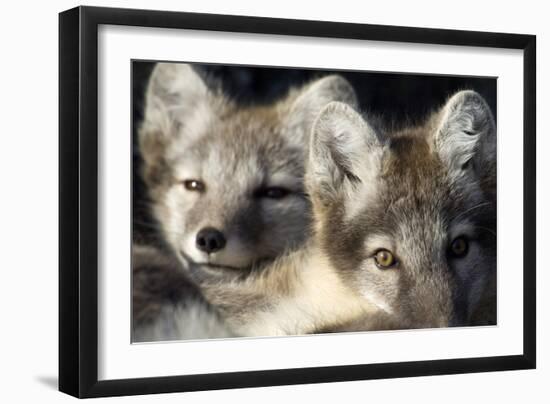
{"type": "Point", "coordinates": [410, 158]}
{"type": "Point", "coordinates": [233, 147]}
{"type": "Point", "coordinates": [417, 190]}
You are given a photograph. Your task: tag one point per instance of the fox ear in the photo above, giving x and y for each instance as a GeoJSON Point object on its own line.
{"type": "Point", "coordinates": [175, 93]}
{"type": "Point", "coordinates": [312, 98]}
{"type": "Point", "coordinates": [344, 152]}
{"type": "Point", "coordinates": [466, 132]}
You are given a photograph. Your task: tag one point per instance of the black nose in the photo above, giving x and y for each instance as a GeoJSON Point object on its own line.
{"type": "Point", "coordinates": [210, 240]}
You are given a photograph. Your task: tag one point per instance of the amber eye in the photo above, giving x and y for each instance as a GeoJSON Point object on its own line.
{"type": "Point", "coordinates": [459, 247]}
{"type": "Point", "coordinates": [194, 185]}
{"type": "Point", "coordinates": [272, 192]}
{"type": "Point", "coordinates": [384, 259]}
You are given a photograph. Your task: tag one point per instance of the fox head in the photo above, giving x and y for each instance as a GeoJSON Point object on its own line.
{"type": "Point", "coordinates": [408, 219]}
{"type": "Point", "coordinates": [226, 180]}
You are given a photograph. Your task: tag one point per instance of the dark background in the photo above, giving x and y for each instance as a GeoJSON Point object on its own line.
{"type": "Point", "coordinates": [396, 97]}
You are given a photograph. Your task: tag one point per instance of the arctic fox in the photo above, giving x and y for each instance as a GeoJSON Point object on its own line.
{"type": "Point", "coordinates": [405, 230]}
{"type": "Point", "coordinates": [225, 179]}
{"type": "Point", "coordinates": [226, 184]}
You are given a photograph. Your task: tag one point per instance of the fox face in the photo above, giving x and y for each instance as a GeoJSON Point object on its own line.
{"type": "Point", "coordinates": [408, 219]}
{"type": "Point", "coordinates": [226, 180]}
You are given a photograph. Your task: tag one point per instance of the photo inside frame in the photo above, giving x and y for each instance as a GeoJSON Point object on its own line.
{"type": "Point", "coordinates": [280, 201]}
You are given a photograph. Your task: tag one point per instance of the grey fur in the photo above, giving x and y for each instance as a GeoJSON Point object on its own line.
{"type": "Point", "coordinates": [411, 192]}
{"type": "Point", "coordinates": [166, 305]}
{"type": "Point", "coordinates": [192, 130]}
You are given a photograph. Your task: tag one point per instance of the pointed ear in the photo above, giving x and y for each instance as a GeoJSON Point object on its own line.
{"type": "Point", "coordinates": [312, 98]}
{"type": "Point", "coordinates": [175, 93]}
{"type": "Point", "coordinates": [344, 152]}
{"type": "Point", "coordinates": [465, 135]}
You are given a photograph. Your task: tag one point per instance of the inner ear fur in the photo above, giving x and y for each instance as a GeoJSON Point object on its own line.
{"type": "Point", "coordinates": [465, 131]}
{"type": "Point", "coordinates": [344, 151]}
{"type": "Point", "coordinates": [175, 91]}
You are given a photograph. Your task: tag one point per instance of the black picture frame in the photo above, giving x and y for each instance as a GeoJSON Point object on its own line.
{"type": "Point", "coordinates": [78, 201]}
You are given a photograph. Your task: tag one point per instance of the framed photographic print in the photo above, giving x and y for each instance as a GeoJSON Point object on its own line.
{"type": "Point", "coordinates": [252, 201]}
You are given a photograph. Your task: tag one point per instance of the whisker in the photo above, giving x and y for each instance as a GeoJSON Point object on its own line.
{"type": "Point", "coordinates": [467, 211]}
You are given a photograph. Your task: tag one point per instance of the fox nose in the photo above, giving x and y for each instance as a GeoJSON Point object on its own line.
{"type": "Point", "coordinates": [210, 240]}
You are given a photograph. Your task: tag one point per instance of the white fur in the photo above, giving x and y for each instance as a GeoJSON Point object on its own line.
{"type": "Point", "coordinates": [320, 299]}
{"type": "Point", "coordinates": [195, 321]}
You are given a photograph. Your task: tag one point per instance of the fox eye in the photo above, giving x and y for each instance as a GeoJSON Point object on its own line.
{"type": "Point", "coordinates": [272, 192]}
{"type": "Point", "coordinates": [194, 185]}
{"type": "Point", "coordinates": [384, 259]}
{"type": "Point", "coordinates": [459, 247]}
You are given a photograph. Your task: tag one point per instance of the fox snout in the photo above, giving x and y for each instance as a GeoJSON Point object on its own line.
{"type": "Point", "coordinates": [210, 240]}
{"type": "Point", "coordinates": [218, 246]}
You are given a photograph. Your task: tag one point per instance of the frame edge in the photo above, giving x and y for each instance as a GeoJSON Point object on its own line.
{"type": "Point", "coordinates": [69, 114]}
{"type": "Point", "coordinates": [529, 201]}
